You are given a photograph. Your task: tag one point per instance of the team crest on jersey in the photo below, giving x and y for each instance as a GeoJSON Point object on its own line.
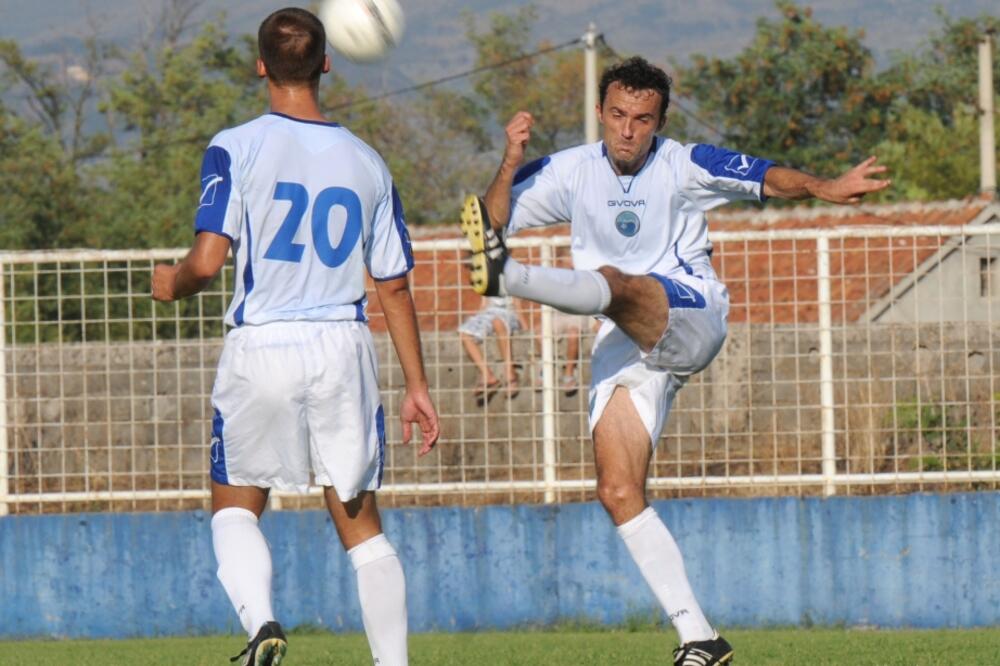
{"type": "Point", "coordinates": [627, 223]}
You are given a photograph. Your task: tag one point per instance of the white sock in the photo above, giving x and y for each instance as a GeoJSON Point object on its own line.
{"type": "Point", "coordinates": [659, 559]}
{"type": "Point", "coordinates": [382, 591]}
{"type": "Point", "coordinates": [572, 291]}
{"type": "Point", "coordinates": [244, 566]}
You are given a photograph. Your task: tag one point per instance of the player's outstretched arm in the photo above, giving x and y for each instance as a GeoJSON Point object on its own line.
{"type": "Point", "coordinates": [497, 197]}
{"type": "Point", "coordinates": [194, 272]}
{"type": "Point", "coordinates": [401, 319]}
{"type": "Point", "coordinates": [849, 188]}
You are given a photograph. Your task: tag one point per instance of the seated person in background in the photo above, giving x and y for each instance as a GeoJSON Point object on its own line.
{"type": "Point", "coordinates": [496, 314]}
{"type": "Point", "coordinates": [570, 327]}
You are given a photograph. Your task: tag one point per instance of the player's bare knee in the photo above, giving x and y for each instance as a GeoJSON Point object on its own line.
{"type": "Point", "coordinates": [615, 496]}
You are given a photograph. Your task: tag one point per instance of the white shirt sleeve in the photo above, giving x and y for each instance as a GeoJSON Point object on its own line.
{"type": "Point", "coordinates": [220, 209]}
{"type": "Point", "coordinates": [388, 253]}
{"type": "Point", "coordinates": [537, 197]}
{"type": "Point", "coordinates": [710, 176]}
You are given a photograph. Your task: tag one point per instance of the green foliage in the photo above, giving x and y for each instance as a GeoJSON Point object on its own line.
{"type": "Point", "coordinates": [939, 438]}
{"type": "Point", "coordinates": [930, 160]}
{"type": "Point", "coordinates": [547, 86]}
{"type": "Point", "coordinates": [170, 105]}
{"type": "Point", "coordinates": [801, 93]}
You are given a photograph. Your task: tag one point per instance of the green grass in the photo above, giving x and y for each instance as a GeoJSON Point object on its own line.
{"type": "Point", "coordinates": [570, 646]}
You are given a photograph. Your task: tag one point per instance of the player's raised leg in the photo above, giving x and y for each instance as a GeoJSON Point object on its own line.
{"type": "Point", "coordinates": [622, 451]}
{"type": "Point", "coordinates": [381, 584]}
{"type": "Point", "coordinates": [245, 569]}
{"type": "Point", "coordinates": [494, 273]}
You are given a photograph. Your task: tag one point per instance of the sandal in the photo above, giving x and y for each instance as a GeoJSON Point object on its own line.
{"type": "Point", "coordinates": [484, 392]}
{"type": "Point", "coordinates": [513, 388]}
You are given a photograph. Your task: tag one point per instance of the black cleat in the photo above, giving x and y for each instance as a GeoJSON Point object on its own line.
{"type": "Point", "coordinates": [716, 650]}
{"type": "Point", "coordinates": [488, 250]}
{"type": "Point", "coordinates": [266, 649]}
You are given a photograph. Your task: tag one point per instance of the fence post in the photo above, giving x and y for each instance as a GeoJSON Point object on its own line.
{"type": "Point", "coordinates": [829, 441]}
{"type": "Point", "coordinates": [548, 393]}
{"type": "Point", "coordinates": [4, 445]}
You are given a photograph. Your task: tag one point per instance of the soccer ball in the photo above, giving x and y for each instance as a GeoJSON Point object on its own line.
{"type": "Point", "coordinates": [362, 30]}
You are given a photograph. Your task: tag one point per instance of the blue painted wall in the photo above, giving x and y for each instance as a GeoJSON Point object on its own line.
{"type": "Point", "coordinates": [917, 560]}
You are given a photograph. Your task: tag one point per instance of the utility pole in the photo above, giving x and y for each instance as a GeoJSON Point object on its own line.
{"type": "Point", "coordinates": [590, 84]}
{"type": "Point", "coordinates": [987, 113]}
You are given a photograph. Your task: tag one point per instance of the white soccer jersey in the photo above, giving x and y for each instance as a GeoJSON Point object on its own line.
{"type": "Point", "coordinates": [652, 222]}
{"type": "Point", "coordinates": [308, 206]}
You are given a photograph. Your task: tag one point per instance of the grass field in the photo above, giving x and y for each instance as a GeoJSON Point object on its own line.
{"type": "Point", "coordinates": [552, 648]}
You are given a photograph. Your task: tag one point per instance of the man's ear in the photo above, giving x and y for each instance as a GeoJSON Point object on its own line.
{"type": "Point", "coordinates": [326, 64]}
{"type": "Point", "coordinates": [261, 69]}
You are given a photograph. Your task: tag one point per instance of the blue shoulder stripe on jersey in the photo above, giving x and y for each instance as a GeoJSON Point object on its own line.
{"type": "Point", "coordinates": [724, 163]}
{"type": "Point", "coordinates": [247, 276]}
{"type": "Point", "coordinates": [530, 169]}
{"type": "Point", "coordinates": [216, 185]}
{"type": "Point", "coordinates": [218, 450]}
{"type": "Point", "coordinates": [399, 217]}
{"type": "Point", "coordinates": [302, 120]}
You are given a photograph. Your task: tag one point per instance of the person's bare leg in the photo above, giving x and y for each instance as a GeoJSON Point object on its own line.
{"type": "Point", "coordinates": [475, 354]}
{"type": "Point", "coordinates": [381, 584]}
{"type": "Point", "coordinates": [241, 552]}
{"type": "Point", "coordinates": [639, 306]}
{"type": "Point", "coordinates": [572, 351]}
{"type": "Point", "coordinates": [622, 452]}
{"type": "Point", "coordinates": [621, 455]}
{"type": "Point", "coordinates": [506, 351]}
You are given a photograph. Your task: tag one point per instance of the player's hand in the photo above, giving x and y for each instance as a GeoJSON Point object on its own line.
{"type": "Point", "coordinates": [518, 133]}
{"type": "Point", "coordinates": [163, 282]}
{"type": "Point", "coordinates": [852, 186]}
{"type": "Point", "coordinates": [418, 408]}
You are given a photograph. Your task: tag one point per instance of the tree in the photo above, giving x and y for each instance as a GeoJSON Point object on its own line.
{"type": "Point", "coordinates": [929, 158]}
{"type": "Point", "coordinates": [549, 86]}
{"type": "Point", "coordinates": [801, 93]}
{"type": "Point", "coordinates": [168, 106]}
{"type": "Point", "coordinates": [932, 142]}
{"type": "Point", "coordinates": [41, 151]}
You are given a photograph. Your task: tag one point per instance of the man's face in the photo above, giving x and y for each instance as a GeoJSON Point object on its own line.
{"type": "Point", "coordinates": [631, 119]}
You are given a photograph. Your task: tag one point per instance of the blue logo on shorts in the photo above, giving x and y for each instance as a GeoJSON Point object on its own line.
{"type": "Point", "coordinates": [627, 223]}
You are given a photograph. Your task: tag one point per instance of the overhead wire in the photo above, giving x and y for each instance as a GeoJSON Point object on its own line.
{"type": "Point", "coordinates": [401, 91]}
{"type": "Point", "coordinates": [460, 75]}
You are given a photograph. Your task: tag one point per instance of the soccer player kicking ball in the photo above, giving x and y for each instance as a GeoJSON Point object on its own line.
{"type": "Point", "coordinates": [636, 204]}
{"type": "Point", "coordinates": [306, 208]}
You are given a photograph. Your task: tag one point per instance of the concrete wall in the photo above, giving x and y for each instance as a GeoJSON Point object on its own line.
{"type": "Point", "coordinates": [916, 560]}
{"type": "Point", "coordinates": [137, 416]}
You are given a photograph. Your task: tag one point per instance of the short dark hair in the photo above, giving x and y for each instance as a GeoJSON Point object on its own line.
{"type": "Point", "coordinates": [638, 74]}
{"type": "Point", "coordinates": [292, 44]}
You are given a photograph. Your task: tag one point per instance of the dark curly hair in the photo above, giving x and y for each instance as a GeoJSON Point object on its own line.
{"type": "Point", "coordinates": [638, 74]}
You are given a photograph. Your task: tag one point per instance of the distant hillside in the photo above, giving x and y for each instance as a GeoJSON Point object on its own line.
{"type": "Point", "coordinates": [435, 41]}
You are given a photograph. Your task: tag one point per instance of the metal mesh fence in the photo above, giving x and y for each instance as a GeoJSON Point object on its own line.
{"type": "Point", "coordinates": [858, 360]}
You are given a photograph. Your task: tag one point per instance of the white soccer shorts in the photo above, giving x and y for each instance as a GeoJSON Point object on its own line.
{"type": "Point", "coordinates": [480, 324]}
{"type": "Point", "coordinates": [696, 331]}
{"type": "Point", "coordinates": [294, 398]}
